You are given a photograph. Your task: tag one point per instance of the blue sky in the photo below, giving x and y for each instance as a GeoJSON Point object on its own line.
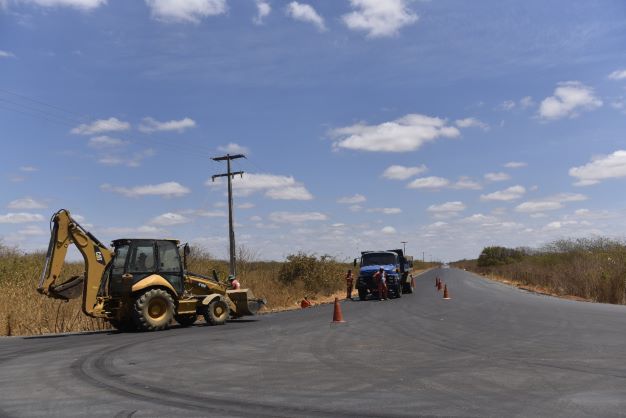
{"type": "Point", "coordinates": [448, 124]}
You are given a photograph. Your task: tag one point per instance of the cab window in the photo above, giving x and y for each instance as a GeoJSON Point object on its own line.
{"type": "Point", "coordinates": [168, 257]}
{"type": "Point", "coordinates": [142, 259]}
{"type": "Point", "coordinates": [120, 259]}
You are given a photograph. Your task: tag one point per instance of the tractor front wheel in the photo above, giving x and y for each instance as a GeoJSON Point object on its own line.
{"type": "Point", "coordinates": [153, 310]}
{"type": "Point", "coordinates": [217, 312]}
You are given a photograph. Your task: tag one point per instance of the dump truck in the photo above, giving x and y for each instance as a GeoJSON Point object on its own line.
{"type": "Point", "coordinates": [139, 284]}
{"type": "Point", "coordinates": [397, 267]}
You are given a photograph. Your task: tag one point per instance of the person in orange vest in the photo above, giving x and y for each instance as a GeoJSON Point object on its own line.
{"type": "Point", "coordinates": [234, 283]}
{"type": "Point", "coordinates": [381, 281]}
{"type": "Point", "coordinates": [349, 283]}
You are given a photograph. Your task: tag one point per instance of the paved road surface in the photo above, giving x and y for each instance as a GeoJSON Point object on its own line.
{"type": "Point", "coordinates": [492, 350]}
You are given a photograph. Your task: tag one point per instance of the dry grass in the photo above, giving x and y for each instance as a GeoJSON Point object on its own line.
{"type": "Point", "coordinates": [23, 311]}
{"type": "Point", "coordinates": [592, 270]}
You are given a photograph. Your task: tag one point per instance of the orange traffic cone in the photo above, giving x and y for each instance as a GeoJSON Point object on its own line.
{"type": "Point", "coordinates": [437, 282]}
{"type": "Point", "coordinates": [412, 281]}
{"type": "Point", "coordinates": [305, 303]}
{"type": "Point", "coordinates": [337, 316]}
{"type": "Point", "coordinates": [445, 293]}
{"type": "Point", "coordinates": [439, 285]}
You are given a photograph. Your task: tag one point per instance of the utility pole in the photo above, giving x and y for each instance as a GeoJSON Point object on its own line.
{"type": "Point", "coordinates": [423, 260]}
{"type": "Point", "coordinates": [231, 229]}
{"type": "Point", "coordinates": [403, 246]}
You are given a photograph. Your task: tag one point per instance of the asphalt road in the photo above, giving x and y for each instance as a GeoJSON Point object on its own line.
{"type": "Point", "coordinates": [492, 350]}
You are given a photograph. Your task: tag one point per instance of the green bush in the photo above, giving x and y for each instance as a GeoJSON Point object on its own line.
{"type": "Point", "coordinates": [323, 274]}
{"type": "Point", "coordinates": [495, 256]}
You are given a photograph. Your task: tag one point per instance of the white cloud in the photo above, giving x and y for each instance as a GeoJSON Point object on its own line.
{"type": "Point", "coordinates": [132, 161]}
{"type": "Point", "coordinates": [149, 125]}
{"type": "Point", "coordinates": [471, 123]}
{"type": "Point", "coordinates": [25, 203]}
{"type": "Point", "coordinates": [187, 11]}
{"type": "Point", "coordinates": [168, 189]}
{"type": "Point", "coordinates": [32, 230]}
{"type": "Point", "coordinates": [100, 126]}
{"type": "Point", "coordinates": [130, 231]}
{"type": "Point", "coordinates": [447, 207]}
{"type": "Point", "coordinates": [233, 148]}
{"type": "Point", "coordinates": [511, 193]}
{"type": "Point", "coordinates": [169, 218]}
{"type": "Point", "coordinates": [28, 169]}
{"type": "Point", "coordinates": [515, 164]}
{"type": "Point", "coordinates": [210, 213]}
{"type": "Point", "coordinates": [526, 102]}
{"type": "Point", "coordinates": [289, 193]}
{"type": "Point", "coordinates": [550, 203]}
{"type": "Point", "coordinates": [431, 182]}
{"type": "Point", "coordinates": [76, 4]}
{"type": "Point", "coordinates": [274, 186]}
{"type": "Point", "coordinates": [105, 141]}
{"type": "Point", "coordinates": [407, 133]}
{"type": "Point", "coordinates": [18, 218]}
{"type": "Point", "coordinates": [618, 75]}
{"type": "Point", "coordinates": [569, 99]}
{"type": "Point", "coordinates": [246, 205]}
{"type": "Point", "coordinates": [600, 168]}
{"type": "Point", "coordinates": [305, 13]}
{"type": "Point", "coordinates": [497, 176]}
{"type": "Point", "coordinates": [399, 172]}
{"type": "Point", "coordinates": [296, 217]}
{"type": "Point", "coordinates": [386, 211]}
{"type": "Point", "coordinates": [351, 200]}
{"type": "Point", "coordinates": [479, 218]}
{"type": "Point", "coordinates": [6, 54]}
{"type": "Point", "coordinates": [379, 18]}
{"type": "Point", "coordinates": [507, 105]}
{"type": "Point", "coordinates": [389, 230]}
{"type": "Point", "coordinates": [467, 184]}
{"type": "Point", "coordinates": [356, 208]}
{"type": "Point", "coordinates": [263, 10]}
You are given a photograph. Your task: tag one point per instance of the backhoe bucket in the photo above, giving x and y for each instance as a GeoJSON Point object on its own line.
{"type": "Point", "coordinates": [245, 302]}
{"type": "Point", "coordinates": [70, 289]}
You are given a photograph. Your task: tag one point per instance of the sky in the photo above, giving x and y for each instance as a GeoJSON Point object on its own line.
{"type": "Point", "coordinates": [448, 124]}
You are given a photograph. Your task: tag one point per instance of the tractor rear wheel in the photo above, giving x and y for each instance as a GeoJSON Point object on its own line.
{"type": "Point", "coordinates": [216, 313]}
{"type": "Point", "coordinates": [186, 320]}
{"type": "Point", "coordinates": [153, 310]}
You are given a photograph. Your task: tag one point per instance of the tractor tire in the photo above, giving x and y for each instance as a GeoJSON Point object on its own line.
{"type": "Point", "coordinates": [362, 293]}
{"type": "Point", "coordinates": [216, 313]}
{"type": "Point", "coordinates": [123, 326]}
{"type": "Point", "coordinates": [153, 310]}
{"type": "Point", "coordinates": [186, 320]}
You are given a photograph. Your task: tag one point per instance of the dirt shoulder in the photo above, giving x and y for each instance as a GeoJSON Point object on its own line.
{"type": "Point", "coordinates": [531, 288]}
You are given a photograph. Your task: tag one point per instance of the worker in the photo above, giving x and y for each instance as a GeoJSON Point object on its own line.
{"type": "Point", "coordinates": [349, 283]}
{"type": "Point", "coordinates": [234, 283]}
{"type": "Point", "coordinates": [381, 281]}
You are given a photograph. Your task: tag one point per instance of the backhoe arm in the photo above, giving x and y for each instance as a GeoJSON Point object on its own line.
{"type": "Point", "coordinates": [65, 231]}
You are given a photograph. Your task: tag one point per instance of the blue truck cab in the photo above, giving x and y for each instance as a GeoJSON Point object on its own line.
{"type": "Point", "coordinates": [397, 268]}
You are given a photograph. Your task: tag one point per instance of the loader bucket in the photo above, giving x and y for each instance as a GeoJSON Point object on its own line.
{"type": "Point", "coordinates": [245, 301]}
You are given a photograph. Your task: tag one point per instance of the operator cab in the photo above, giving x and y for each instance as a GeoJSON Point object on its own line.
{"type": "Point", "coordinates": [136, 259]}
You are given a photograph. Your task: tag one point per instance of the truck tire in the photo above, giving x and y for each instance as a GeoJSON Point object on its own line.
{"type": "Point", "coordinates": [123, 326]}
{"type": "Point", "coordinates": [398, 290]}
{"type": "Point", "coordinates": [362, 293]}
{"type": "Point", "coordinates": [407, 288]}
{"type": "Point", "coordinates": [153, 310]}
{"type": "Point", "coordinates": [216, 313]}
{"type": "Point", "coordinates": [186, 320]}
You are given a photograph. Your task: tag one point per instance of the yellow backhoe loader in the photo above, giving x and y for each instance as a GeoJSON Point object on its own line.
{"type": "Point", "coordinates": [142, 284]}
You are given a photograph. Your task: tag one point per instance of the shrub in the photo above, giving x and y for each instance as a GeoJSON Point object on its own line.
{"type": "Point", "coordinates": [318, 274]}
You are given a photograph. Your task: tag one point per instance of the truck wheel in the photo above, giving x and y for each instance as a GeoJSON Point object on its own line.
{"type": "Point", "coordinates": [407, 289]}
{"type": "Point", "coordinates": [153, 310]}
{"type": "Point", "coordinates": [186, 320]}
{"type": "Point", "coordinates": [216, 313]}
{"type": "Point", "coordinates": [362, 294]}
{"type": "Point", "coordinates": [123, 326]}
